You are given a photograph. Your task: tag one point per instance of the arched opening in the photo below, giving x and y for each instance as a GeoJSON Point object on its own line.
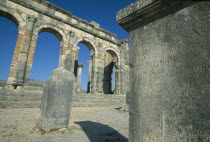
{"type": "Point", "coordinates": [47, 53]}
{"type": "Point", "coordinates": [110, 72]}
{"type": "Point", "coordinates": [9, 16]}
{"type": "Point", "coordinates": [84, 66]}
{"type": "Point", "coordinates": [8, 34]}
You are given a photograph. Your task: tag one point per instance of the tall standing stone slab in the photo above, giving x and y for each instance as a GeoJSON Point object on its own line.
{"type": "Point", "coordinates": [170, 70]}
{"type": "Point", "coordinates": [56, 100]}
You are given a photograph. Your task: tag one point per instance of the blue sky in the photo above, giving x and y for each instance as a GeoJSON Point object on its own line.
{"type": "Point", "coordinates": [48, 47]}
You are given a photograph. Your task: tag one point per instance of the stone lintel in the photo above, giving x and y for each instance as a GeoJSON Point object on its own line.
{"type": "Point", "coordinates": [143, 12]}
{"type": "Point", "coordinates": [29, 4]}
{"type": "Point", "coordinates": [96, 25]}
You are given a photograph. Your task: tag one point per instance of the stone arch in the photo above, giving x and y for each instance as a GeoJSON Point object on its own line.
{"type": "Point", "coordinates": [91, 64]}
{"type": "Point", "coordinates": [53, 29]}
{"type": "Point", "coordinates": [114, 53]}
{"type": "Point", "coordinates": [111, 65]}
{"type": "Point", "coordinates": [89, 43]}
{"type": "Point", "coordinates": [59, 33]}
{"type": "Point", "coordinates": [13, 16]}
{"type": "Point", "coordinates": [19, 21]}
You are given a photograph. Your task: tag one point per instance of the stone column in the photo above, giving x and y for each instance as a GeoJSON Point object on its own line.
{"type": "Point", "coordinates": [66, 61]}
{"type": "Point", "coordinates": [107, 78]}
{"type": "Point", "coordinates": [169, 70]}
{"type": "Point", "coordinates": [79, 76]}
{"type": "Point", "coordinates": [97, 73]}
{"type": "Point", "coordinates": [13, 68]}
{"type": "Point", "coordinates": [22, 67]}
{"type": "Point", "coordinates": [89, 75]}
{"type": "Point", "coordinates": [123, 79]}
{"type": "Point", "coordinates": [30, 59]}
{"type": "Point", "coordinates": [117, 81]}
{"type": "Point", "coordinates": [75, 51]}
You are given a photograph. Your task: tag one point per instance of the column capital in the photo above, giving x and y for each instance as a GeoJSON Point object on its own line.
{"type": "Point", "coordinates": [31, 18]}
{"type": "Point", "coordinates": [30, 23]}
{"type": "Point", "coordinates": [22, 30]}
{"type": "Point", "coordinates": [80, 65]}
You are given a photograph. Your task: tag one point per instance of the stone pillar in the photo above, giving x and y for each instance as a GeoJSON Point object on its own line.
{"type": "Point", "coordinates": [107, 81]}
{"type": "Point", "coordinates": [79, 76]}
{"type": "Point", "coordinates": [117, 81]}
{"type": "Point", "coordinates": [169, 70]}
{"type": "Point", "coordinates": [97, 73]}
{"type": "Point", "coordinates": [14, 68]}
{"type": "Point", "coordinates": [66, 60]}
{"type": "Point", "coordinates": [123, 67]}
{"type": "Point", "coordinates": [56, 100]}
{"type": "Point", "coordinates": [89, 75]}
{"type": "Point", "coordinates": [30, 59]}
{"type": "Point", "coordinates": [22, 68]}
{"type": "Point", "coordinates": [122, 79]}
{"type": "Point", "coordinates": [108, 65]}
{"type": "Point", "coordinates": [75, 51]}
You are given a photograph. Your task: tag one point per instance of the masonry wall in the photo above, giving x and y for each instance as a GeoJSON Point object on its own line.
{"type": "Point", "coordinates": [32, 99]}
{"type": "Point", "coordinates": [35, 16]}
{"type": "Point", "coordinates": [170, 74]}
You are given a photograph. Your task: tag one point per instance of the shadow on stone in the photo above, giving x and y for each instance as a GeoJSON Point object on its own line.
{"type": "Point", "coordinates": [118, 108]}
{"type": "Point", "coordinates": [97, 132]}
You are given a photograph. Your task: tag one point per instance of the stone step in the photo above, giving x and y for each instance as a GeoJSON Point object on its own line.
{"type": "Point", "coordinates": [100, 97]}
{"type": "Point", "coordinates": [76, 104]}
{"type": "Point", "coordinates": [98, 101]}
{"type": "Point", "coordinates": [19, 104]}
{"type": "Point", "coordinates": [30, 98]}
{"type": "Point", "coordinates": [17, 98]}
{"type": "Point", "coordinates": [22, 94]}
{"type": "Point", "coordinates": [33, 91]}
{"type": "Point", "coordinates": [27, 103]}
{"type": "Point", "coordinates": [33, 88]}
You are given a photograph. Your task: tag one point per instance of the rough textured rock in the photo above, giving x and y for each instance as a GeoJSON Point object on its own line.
{"type": "Point", "coordinates": [170, 74]}
{"type": "Point", "coordinates": [3, 83]}
{"type": "Point", "coordinates": [56, 100]}
{"type": "Point", "coordinates": [35, 83]}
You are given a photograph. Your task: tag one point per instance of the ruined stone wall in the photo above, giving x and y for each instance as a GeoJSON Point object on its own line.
{"type": "Point", "coordinates": [35, 16]}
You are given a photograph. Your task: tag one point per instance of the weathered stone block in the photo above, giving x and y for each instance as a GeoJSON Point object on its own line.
{"type": "Point", "coordinates": [56, 100]}
{"type": "Point", "coordinates": [169, 75]}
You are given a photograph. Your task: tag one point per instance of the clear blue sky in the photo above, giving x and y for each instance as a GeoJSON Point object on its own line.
{"type": "Point", "coordinates": [48, 46]}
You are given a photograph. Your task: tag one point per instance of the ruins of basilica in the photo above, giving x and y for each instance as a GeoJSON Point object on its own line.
{"type": "Point", "coordinates": [36, 16]}
{"type": "Point", "coordinates": [169, 70]}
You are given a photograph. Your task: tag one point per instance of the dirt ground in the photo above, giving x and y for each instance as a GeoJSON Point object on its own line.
{"type": "Point", "coordinates": [87, 124]}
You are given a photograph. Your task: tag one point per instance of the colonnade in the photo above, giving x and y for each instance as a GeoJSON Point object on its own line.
{"type": "Point", "coordinates": [23, 59]}
{"type": "Point", "coordinates": [70, 30]}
